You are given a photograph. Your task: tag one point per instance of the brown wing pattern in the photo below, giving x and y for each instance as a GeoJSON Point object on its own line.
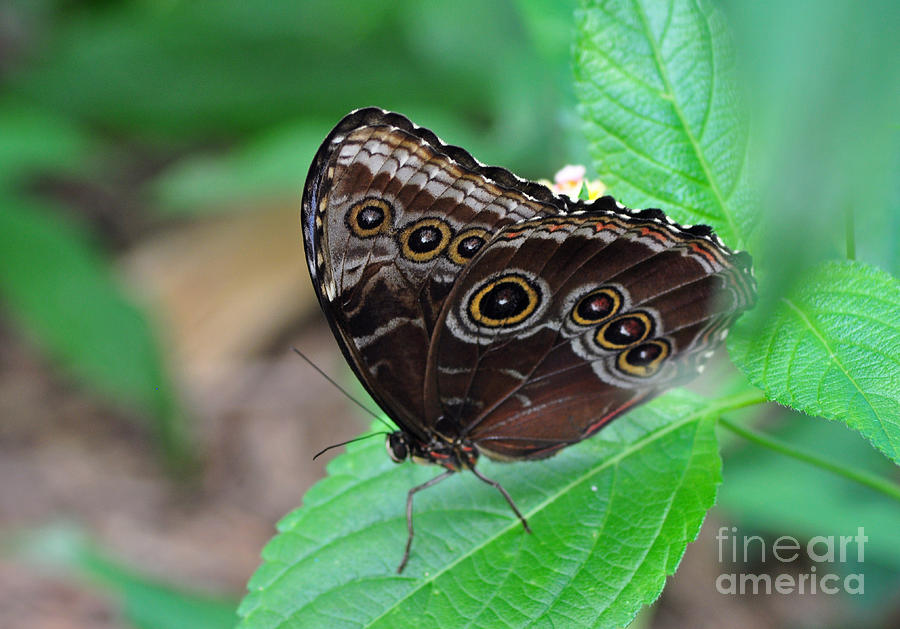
{"type": "Point", "coordinates": [390, 216]}
{"type": "Point", "coordinates": [560, 324]}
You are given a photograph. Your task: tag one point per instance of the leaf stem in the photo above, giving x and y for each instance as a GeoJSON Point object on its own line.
{"type": "Point", "coordinates": [747, 397]}
{"type": "Point", "coordinates": [850, 233]}
{"type": "Point", "coordinates": [863, 478]}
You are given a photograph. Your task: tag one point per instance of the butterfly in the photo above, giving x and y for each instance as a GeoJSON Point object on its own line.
{"type": "Point", "coordinates": [486, 315]}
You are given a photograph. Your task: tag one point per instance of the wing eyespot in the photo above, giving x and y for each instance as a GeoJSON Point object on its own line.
{"type": "Point", "coordinates": [369, 217]}
{"type": "Point", "coordinates": [466, 244]}
{"type": "Point", "coordinates": [505, 301]}
{"type": "Point", "coordinates": [644, 360]}
{"type": "Point", "coordinates": [425, 239]}
{"type": "Point", "coordinates": [597, 306]}
{"type": "Point", "coordinates": [624, 331]}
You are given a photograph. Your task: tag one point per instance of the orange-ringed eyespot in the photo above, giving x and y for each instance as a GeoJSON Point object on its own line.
{"type": "Point", "coordinates": [645, 359]}
{"type": "Point", "coordinates": [369, 217]}
{"type": "Point", "coordinates": [424, 239]}
{"type": "Point", "coordinates": [466, 244]}
{"type": "Point", "coordinates": [504, 302]}
{"type": "Point", "coordinates": [625, 330]}
{"type": "Point", "coordinates": [597, 306]}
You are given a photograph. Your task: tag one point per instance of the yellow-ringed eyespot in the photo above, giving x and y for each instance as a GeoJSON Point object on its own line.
{"type": "Point", "coordinates": [369, 217]}
{"type": "Point", "coordinates": [645, 359]}
{"type": "Point", "coordinates": [504, 302]}
{"type": "Point", "coordinates": [625, 330]}
{"type": "Point", "coordinates": [466, 244]}
{"type": "Point", "coordinates": [598, 305]}
{"type": "Point", "coordinates": [424, 239]}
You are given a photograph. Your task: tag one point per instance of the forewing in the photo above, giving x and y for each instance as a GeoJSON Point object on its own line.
{"type": "Point", "coordinates": [390, 217]}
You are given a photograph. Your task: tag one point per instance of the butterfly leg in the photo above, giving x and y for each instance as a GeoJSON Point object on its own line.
{"type": "Point", "coordinates": [506, 495]}
{"type": "Point", "coordinates": [409, 522]}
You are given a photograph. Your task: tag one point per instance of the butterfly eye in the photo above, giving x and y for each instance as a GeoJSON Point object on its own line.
{"type": "Point", "coordinates": [369, 217]}
{"type": "Point", "coordinates": [625, 330]}
{"type": "Point", "coordinates": [424, 239]}
{"type": "Point", "coordinates": [466, 244]}
{"type": "Point", "coordinates": [504, 302]}
{"type": "Point", "coordinates": [597, 306]}
{"type": "Point", "coordinates": [645, 359]}
{"type": "Point", "coordinates": [396, 447]}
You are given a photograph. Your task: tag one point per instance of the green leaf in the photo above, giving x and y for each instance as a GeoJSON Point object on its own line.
{"type": "Point", "coordinates": [55, 283]}
{"type": "Point", "coordinates": [149, 604]}
{"type": "Point", "coordinates": [145, 602]}
{"type": "Point", "coordinates": [658, 95]}
{"type": "Point", "coordinates": [611, 518]}
{"type": "Point", "coordinates": [831, 348]}
{"type": "Point", "coordinates": [35, 141]}
{"type": "Point", "coordinates": [188, 69]}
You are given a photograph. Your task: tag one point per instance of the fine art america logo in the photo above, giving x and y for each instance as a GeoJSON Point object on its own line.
{"type": "Point", "coordinates": [819, 555]}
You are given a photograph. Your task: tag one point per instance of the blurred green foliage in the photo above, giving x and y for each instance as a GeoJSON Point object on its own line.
{"type": "Point", "coordinates": [187, 71]}
{"type": "Point", "coordinates": [769, 494]}
{"type": "Point", "coordinates": [36, 140]}
{"type": "Point", "coordinates": [821, 83]}
{"type": "Point", "coordinates": [144, 602]}
{"type": "Point", "coordinates": [62, 291]}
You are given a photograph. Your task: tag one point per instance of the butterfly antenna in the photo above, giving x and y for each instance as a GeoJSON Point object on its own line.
{"type": "Point", "coordinates": [346, 394]}
{"type": "Point", "coordinates": [343, 443]}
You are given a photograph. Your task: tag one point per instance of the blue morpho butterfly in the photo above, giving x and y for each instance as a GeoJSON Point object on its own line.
{"type": "Point", "coordinates": [486, 315]}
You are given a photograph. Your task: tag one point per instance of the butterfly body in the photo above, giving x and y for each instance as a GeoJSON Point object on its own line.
{"type": "Point", "coordinates": [486, 315]}
{"type": "Point", "coordinates": [453, 455]}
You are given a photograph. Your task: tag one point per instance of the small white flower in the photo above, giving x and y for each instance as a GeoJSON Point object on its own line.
{"type": "Point", "coordinates": [570, 174]}
{"type": "Point", "coordinates": [570, 181]}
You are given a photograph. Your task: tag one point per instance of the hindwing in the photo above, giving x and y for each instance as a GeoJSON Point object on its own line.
{"type": "Point", "coordinates": [562, 323]}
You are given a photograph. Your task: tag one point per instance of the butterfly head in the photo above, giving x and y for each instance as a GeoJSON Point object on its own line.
{"type": "Point", "coordinates": [397, 446]}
